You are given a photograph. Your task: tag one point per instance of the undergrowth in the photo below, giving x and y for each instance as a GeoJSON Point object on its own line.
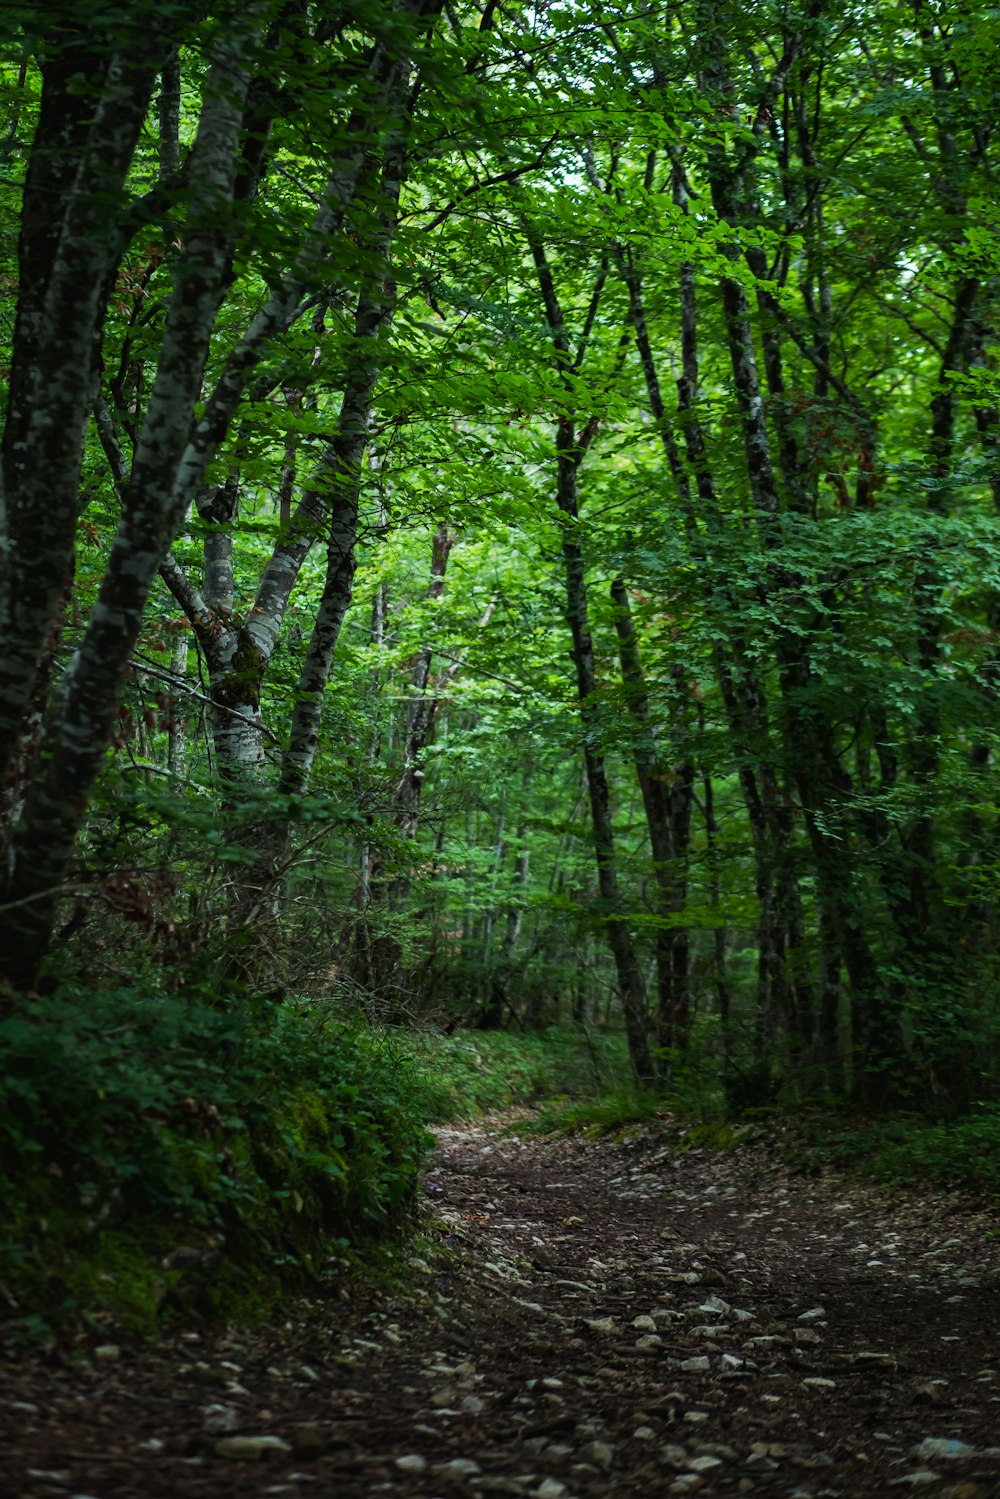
{"type": "Point", "coordinates": [175, 1154]}
{"type": "Point", "coordinates": [182, 1153]}
{"type": "Point", "coordinates": [480, 1072]}
{"type": "Point", "coordinates": [907, 1151]}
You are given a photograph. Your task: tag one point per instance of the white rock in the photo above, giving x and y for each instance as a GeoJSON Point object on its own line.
{"type": "Point", "coordinates": [551, 1488]}
{"type": "Point", "coordinates": [820, 1384]}
{"type": "Point", "coordinates": [704, 1464]}
{"type": "Point", "coordinates": [695, 1365]}
{"type": "Point", "coordinates": [643, 1324]}
{"type": "Point", "coordinates": [813, 1314]}
{"type": "Point", "coordinates": [472, 1405]}
{"type": "Point", "coordinates": [915, 1480]}
{"type": "Point", "coordinates": [411, 1462]}
{"type": "Point", "coordinates": [459, 1467]}
{"type": "Point", "coordinates": [938, 1449]}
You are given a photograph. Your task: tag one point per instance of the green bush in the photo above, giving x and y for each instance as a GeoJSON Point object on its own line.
{"type": "Point", "coordinates": [963, 1153]}
{"type": "Point", "coordinates": [476, 1072]}
{"type": "Point", "coordinates": [263, 1140]}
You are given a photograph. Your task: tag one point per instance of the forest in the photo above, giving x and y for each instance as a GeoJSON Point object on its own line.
{"type": "Point", "coordinates": [499, 554]}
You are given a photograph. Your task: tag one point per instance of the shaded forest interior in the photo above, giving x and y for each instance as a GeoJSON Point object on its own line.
{"type": "Point", "coordinates": [499, 530]}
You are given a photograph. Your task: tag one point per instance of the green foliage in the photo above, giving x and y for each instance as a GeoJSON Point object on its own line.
{"type": "Point", "coordinates": [903, 1150]}
{"type": "Point", "coordinates": [477, 1072]}
{"type": "Point", "coordinates": [611, 1113]}
{"type": "Point", "coordinates": [962, 1154]}
{"type": "Point", "coordinates": [828, 677]}
{"type": "Point", "coordinates": [266, 1139]}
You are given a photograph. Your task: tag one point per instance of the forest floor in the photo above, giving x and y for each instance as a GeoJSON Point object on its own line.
{"type": "Point", "coordinates": [602, 1318]}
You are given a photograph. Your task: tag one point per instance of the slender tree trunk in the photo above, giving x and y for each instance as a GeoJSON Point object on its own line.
{"type": "Point", "coordinates": [614, 915]}
{"type": "Point", "coordinates": [177, 732]}
{"type": "Point", "coordinates": [498, 1000]}
{"type": "Point", "coordinates": [667, 796]}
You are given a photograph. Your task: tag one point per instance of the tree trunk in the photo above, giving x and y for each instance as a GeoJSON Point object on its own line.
{"type": "Point", "coordinates": [667, 796]}
{"type": "Point", "coordinates": [81, 721]}
{"type": "Point", "coordinates": [613, 913]}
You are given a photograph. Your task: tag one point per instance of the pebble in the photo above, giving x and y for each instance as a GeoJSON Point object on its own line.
{"type": "Point", "coordinates": [601, 1453]}
{"type": "Point", "coordinates": [411, 1462]}
{"type": "Point", "coordinates": [220, 1420]}
{"type": "Point", "coordinates": [915, 1480]}
{"type": "Point", "coordinates": [695, 1365]}
{"type": "Point", "coordinates": [704, 1464]}
{"type": "Point", "coordinates": [941, 1449]}
{"type": "Point", "coordinates": [458, 1467]}
{"type": "Point", "coordinates": [249, 1449]}
{"type": "Point", "coordinates": [551, 1488]}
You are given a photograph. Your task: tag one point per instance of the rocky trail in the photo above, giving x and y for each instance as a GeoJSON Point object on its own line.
{"type": "Point", "coordinates": [601, 1318]}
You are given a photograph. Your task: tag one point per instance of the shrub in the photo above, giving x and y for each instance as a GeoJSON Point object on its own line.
{"type": "Point", "coordinates": [152, 1143]}
{"type": "Point", "coordinates": [474, 1072]}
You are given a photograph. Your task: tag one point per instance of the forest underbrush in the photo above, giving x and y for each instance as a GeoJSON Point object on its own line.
{"type": "Point", "coordinates": [172, 1154]}
{"type": "Point", "coordinates": [176, 1155]}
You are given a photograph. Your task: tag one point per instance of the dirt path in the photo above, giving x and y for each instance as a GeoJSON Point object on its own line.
{"type": "Point", "coordinates": [602, 1319]}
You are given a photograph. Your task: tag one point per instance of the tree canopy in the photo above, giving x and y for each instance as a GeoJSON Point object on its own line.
{"type": "Point", "coordinates": [500, 519]}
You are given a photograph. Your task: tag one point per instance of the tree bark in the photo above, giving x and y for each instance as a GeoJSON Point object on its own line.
{"type": "Point", "coordinates": [83, 714]}
{"type": "Point", "coordinates": [614, 916]}
{"type": "Point", "coordinates": [667, 796]}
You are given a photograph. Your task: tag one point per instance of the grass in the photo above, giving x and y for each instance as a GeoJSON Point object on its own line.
{"type": "Point", "coordinates": [473, 1073]}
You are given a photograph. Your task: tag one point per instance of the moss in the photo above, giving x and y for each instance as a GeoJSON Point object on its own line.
{"type": "Point", "coordinates": [241, 684]}
{"type": "Point", "coordinates": [715, 1134]}
{"type": "Point", "coordinates": [126, 1274]}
